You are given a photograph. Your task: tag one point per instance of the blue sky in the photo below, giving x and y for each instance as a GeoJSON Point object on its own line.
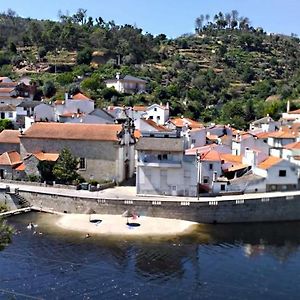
{"type": "Point", "coordinates": [172, 17]}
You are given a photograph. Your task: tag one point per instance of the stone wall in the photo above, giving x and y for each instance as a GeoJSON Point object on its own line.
{"type": "Point", "coordinates": [285, 208]}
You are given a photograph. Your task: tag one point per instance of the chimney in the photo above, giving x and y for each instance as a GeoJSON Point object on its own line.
{"type": "Point", "coordinates": [167, 105]}
{"type": "Point", "coordinates": [66, 96]}
{"type": "Point", "coordinates": [118, 76]}
{"type": "Point", "coordinates": [288, 106]}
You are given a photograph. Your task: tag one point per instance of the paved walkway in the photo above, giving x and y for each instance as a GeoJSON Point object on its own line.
{"type": "Point", "coordinates": [129, 193]}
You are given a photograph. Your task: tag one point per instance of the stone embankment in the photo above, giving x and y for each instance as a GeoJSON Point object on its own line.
{"type": "Point", "coordinates": [263, 207]}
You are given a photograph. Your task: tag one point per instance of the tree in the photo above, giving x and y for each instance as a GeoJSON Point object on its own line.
{"type": "Point", "coordinates": [49, 89]}
{"type": "Point", "coordinates": [84, 56]}
{"type": "Point", "coordinates": [6, 124]}
{"type": "Point", "coordinates": [64, 170]}
{"type": "Point", "coordinates": [46, 170]}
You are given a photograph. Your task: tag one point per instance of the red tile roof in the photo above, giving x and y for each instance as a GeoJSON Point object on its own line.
{"type": "Point", "coordinates": [155, 125]}
{"type": "Point", "coordinates": [6, 90]}
{"type": "Point", "coordinates": [297, 111]}
{"type": "Point", "coordinates": [67, 131]}
{"type": "Point", "coordinates": [291, 146]}
{"type": "Point", "coordinates": [42, 156]}
{"type": "Point", "coordinates": [282, 135]}
{"type": "Point", "coordinates": [269, 162]}
{"type": "Point", "coordinates": [140, 108]}
{"type": "Point", "coordinates": [211, 155]}
{"type": "Point", "coordinates": [231, 158]}
{"type": "Point", "coordinates": [80, 96]}
{"type": "Point", "coordinates": [20, 167]}
{"type": "Point", "coordinates": [10, 136]}
{"type": "Point", "coordinates": [10, 158]}
{"type": "Point", "coordinates": [180, 122]}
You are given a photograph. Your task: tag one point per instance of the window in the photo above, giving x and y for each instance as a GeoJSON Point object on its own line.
{"type": "Point", "coordinates": [193, 141]}
{"type": "Point", "coordinates": [282, 173]}
{"type": "Point", "coordinates": [205, 179]}
{"type": "Point", "coordinates": [165, 156]}
{"type": "Point", "coordinates": [155, 109]}
{"type": "Point", "coordinates": [211, 166]}
{"type": "Point", "coordinates": [10, 114]}
{"type": "Point", "coordinates": [158, 118]}
{"type": "Point", "coordinates": [222, 187]}
{"type": "Point", "coordinates": [82, 163]}
{"type": "Point", "coordinates": [159, 156]}
{"type": "Point", "coordinates": [151, 117]}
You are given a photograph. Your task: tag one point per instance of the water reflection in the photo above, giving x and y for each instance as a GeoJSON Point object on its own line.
{"type": "Point", "coordinates": [215, 262]}
{"type": "Point", "coordinates": [5, 234]}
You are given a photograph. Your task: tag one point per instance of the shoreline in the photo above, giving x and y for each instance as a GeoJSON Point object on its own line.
{"type": "Point", "coordinates": [115, 225]}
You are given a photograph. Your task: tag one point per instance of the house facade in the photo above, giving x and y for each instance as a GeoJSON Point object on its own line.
{"type": "Point", "coordinates": [127, 84]}
{"type": "Point", "coordinates": [162, 168]}
{"type": "Point", "coordinates": [105, 152]}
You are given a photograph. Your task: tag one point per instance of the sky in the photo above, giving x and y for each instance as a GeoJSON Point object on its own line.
{"type": "Point", "coordinates": [172, 17]}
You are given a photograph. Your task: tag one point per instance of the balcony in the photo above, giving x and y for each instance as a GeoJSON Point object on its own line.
{"type": "Point", "coordinates": [153, 161]}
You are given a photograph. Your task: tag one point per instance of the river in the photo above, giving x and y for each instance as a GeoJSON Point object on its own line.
{"type": "Point", "coordinates": [251, 261]}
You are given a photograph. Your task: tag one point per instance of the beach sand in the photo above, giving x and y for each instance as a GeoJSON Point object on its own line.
{"type": "Point", "coordinates": [115, 225]}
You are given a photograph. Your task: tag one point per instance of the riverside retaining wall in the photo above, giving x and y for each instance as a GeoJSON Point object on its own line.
{"type": "Point", "coordinates": [285, 208]}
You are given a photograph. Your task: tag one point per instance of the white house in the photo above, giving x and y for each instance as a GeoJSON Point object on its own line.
{"type": "Point", "coordinates": [127, 84]}
{"type": "Point", "coordinates": [266, 124]}
{"type": "Point", "coordinates": [280, 174]}
{"type": "Point", "coordinates": [158, 113]}
{"type": "Point", "coordinates": [77, 103]}
{"type": "Point", "coordinates": [245, 140]}
{"type": "Point", "coordinates": [278, 139]}
{"type": "Point", "coordinates": [8, 112]}
{"type": "Point", "coordinates": [163, 169]}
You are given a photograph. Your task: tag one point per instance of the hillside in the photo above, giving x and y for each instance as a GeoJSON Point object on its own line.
{"type": "Point", "coordinates": [223, 73]}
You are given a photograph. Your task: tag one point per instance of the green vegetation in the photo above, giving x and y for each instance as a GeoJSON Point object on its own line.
{"type": "Point", "coordinates": [6, 124]}
{"type": "Point", "coordinates": [6, 232]}
{"type": "Point", "coordinates": [222, 73]}
{"type": "Point", "coordinates": [65, 168]}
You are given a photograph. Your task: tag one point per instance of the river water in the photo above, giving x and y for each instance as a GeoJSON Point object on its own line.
{"type": "Point", "coordinates": [258, 261]}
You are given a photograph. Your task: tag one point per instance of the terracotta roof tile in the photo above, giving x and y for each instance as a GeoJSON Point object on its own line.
{"type": "Point", "coordinates": [155, 125]}
{"type": "Point", "coordinates": [10, 136]}
{"type": "Point", "coordinates": [269, 162]}
{"type": "Point", "coordinates": [10, 158]}
{"type": "Point", "coordinates": [80, 96]}
{"type": "Point", "coordinates": [282, 135]}
{"type": "Point", "coordinates": [42, 156]}
{"type": "Point", "coordinates": [291, 146]}
{"type": "Point", "coordinates": [211, 155]}
{"type": "Point", "coordinates": [297, 111]}
{"type": "Point", "coordinates": [6, 90]}
{"type": "Point", "coordinates": [140, 108]}
{"type": "Point", "coordinates": [20, 167]}
{"type": "Point", "coordinates": [67, 131]}
{"type": "Point", "coordinates": [231, 158]}
{"type": "Point", "coordinates": [180, 122]}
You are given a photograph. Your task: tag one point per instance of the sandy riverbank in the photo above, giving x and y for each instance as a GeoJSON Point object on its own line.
{"type": "Point", "coordinates": [115, 225]}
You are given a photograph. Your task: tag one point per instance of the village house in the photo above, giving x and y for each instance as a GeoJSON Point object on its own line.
{"type": "Point", "coordinates": [245, 140]}
{"type": "Point", "coordinates": [180, 123]}
{"type": "Point", "coordinates": [266, 124]}
{"type": "Point", "coordinates": [9, 141]}
{"type": "Point", "coordinates": [105, 151]}
{"type": "Point", "coordinates": [76, 104]}
{"type": "Point", "coordinates": [8, 112]}
{"type": "Point", "coordinates": [32, 161]}
{"type": "Point", "coordinates": [278, 139]}
{"type": "Point", "coordinates": [127, 84]}
{"type": "Point", "coordinates": [291, 152]}
{"type": "Point", "coordinates": [11, 166]}
{"type": "Point", "coordinates": [162, 168]}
